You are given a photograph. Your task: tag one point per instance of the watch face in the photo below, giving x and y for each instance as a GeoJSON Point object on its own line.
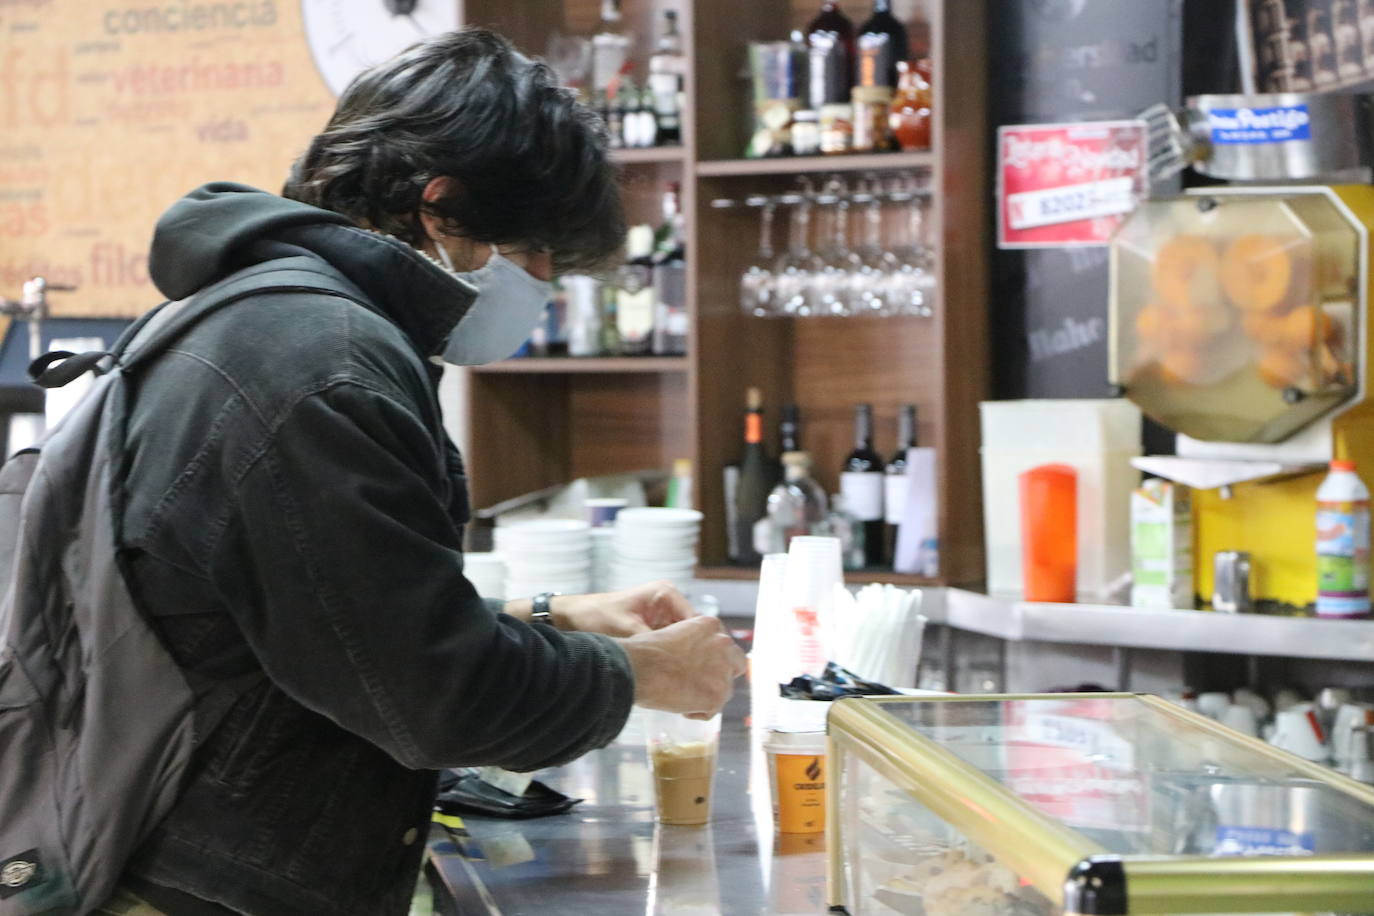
{"type": "Point", "coordinates": [348, 36]}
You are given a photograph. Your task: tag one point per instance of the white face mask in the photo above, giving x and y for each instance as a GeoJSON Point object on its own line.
{"type": "Point", "coordinates": [508, 305]}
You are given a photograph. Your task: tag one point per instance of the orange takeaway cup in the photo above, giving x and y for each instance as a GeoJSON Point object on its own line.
{"type": "Point", "coordinates": [1049, 532]}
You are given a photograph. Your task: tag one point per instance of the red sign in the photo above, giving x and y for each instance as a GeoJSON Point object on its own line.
{"type": "Point", "coordinates": [1067, 184]}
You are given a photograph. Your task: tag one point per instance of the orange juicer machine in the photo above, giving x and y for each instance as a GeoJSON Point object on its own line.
{"type": "Point", "coordinates": [1240, 321]}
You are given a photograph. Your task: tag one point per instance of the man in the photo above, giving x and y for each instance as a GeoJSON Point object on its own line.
{"type": "Point", "coordinates": [294, 508]}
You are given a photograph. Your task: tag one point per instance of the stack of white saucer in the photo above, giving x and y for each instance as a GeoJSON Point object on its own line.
{"type": "Point", "coordinates": [547, 555]}
{"type": "Point", "coordinates": [603, 556]}
{"type": "Point", "coordinates": [652, 543]}
{"type": "Point", "coordinates": [487, 573]}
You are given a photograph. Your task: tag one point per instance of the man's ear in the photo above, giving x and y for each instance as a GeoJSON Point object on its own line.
{"type": "Point", "coordinates": [436, 189]}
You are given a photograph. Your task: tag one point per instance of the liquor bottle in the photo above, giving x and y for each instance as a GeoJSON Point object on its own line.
{"type": "Point", "coordinates": [615, 120]}
{"type": "Point", "coordinates": [638, 125]}
{"type": "Point", "coordinates": [797, 505]}
{"type": "Point", "coordinates": [757, 475]}
{"type": "Point", "coordinates": [648, 118]}
{"type": "Point", "coordinates": [861, 485]}
{"type": "Point", "coordinates": [634, 299]}
{"type": "Point", "coordinates": [628, 102]}
{"type": "Point", "coordinates": [610, 47]}
{"type": "Point", "coordinates": [841, 525]}
{"type": "Point", "coordinates": [882, 43]}
{"type": "Point", "coordinates": [830, 43]}
{"type": "Point", "coordinates": [666, 68]}
{"type": "Point", "coordinates": [608, 326]}
{"type": "Point", "coordinates": [895, 486]}
{"type": "Point", "coordinates": [670, 279]}
{"type": "Point", "coordinates": [680, 485]}
{"type": "Point", "coordinates": [789, 429]}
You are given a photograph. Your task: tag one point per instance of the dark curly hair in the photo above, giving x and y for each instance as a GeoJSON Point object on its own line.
{"type": "Point", "coordinates": [529, 161]}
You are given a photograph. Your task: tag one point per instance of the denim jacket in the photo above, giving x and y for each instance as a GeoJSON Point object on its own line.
{"type": "Point", "coordinates": [295, 508]}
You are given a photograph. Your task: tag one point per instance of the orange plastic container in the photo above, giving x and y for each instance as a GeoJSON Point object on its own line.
{"type": "Point", "coordinates": [1049, 532]}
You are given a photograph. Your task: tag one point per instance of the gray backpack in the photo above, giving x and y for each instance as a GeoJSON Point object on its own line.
{"type": "Point", "coordinates": [97, 721]}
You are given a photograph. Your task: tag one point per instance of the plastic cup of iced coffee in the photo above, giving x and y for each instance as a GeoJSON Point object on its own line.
{"type": "Point", "coordinates": [682, 755]}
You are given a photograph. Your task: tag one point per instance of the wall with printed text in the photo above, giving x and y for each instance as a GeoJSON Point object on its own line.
{"type": "Point", "coordinates": [111, 109]}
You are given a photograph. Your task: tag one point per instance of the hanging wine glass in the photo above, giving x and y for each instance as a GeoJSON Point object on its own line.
{"type": "Point", "coordinates": [757, 285]}
{"type": "Point", "coordinates": [792, 276]}
{"type": "Point", "coordinates": [866, 278]}
{"type": "Point", "coordinates": [909, 284]}
{"type": "Point", "coordinates": [830, 289]}
{"type": "Point", "coordinates": [920, 259]}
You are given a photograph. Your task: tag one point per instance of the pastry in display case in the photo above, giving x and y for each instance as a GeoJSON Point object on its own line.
{"type": "Point", "coordinates": [1082, 804]}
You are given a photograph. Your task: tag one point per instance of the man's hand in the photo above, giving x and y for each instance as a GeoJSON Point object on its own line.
{"type": "Point", "coordinates": [624, 613]}
{"type": "Point", "coordinates": [687, 667]}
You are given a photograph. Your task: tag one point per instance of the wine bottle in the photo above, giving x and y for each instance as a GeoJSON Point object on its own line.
{"type": "Point", "coordinates": [666, 68]}
{"type": "Point", "coordinates": [882, 43]}
{"type": "Point", "coordinates": [789, 429]}
{"type": "Point", "coordinates": [830, 46]}
{"type": "Point", "coordinates": [634, 302]}
{"type": "Point", "coordinates": [757, 476]}
{"type": "Point", "coordinates": [895, 486]}
{"type": "Point", "coordinates": [610, 47]}
{"type": "Point", "coordinates": [861, 485]}
{"type": "Point", "coordinates": [671, 324]}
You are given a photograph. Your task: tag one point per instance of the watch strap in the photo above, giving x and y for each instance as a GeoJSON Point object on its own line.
{"type": "Point", "coordinates": [542, 608]}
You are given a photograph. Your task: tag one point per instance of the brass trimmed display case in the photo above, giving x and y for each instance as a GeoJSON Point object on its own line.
{"type": "Point", "coordinates": [1082, 804]}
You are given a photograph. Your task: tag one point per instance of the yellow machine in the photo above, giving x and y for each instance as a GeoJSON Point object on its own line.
{"type": "Point", "coordinates": [1240, 321]}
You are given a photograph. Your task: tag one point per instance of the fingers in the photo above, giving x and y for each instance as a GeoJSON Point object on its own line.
{"type": "Point", "coordinates": [633, 625]}
{"type": "Point", "coordinates": [672, 602]}
{"type": "Point", "coordinates": [738, 659]}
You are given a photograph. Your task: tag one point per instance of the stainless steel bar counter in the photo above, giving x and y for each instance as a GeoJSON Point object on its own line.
{"type": "Point", "coordinates": [609, 856]}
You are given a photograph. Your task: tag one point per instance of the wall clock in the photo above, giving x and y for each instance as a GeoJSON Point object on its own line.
{"type": "Point", "coordinates": [348, 36]}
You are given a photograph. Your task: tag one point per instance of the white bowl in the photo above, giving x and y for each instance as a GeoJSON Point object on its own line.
{"type": "Point", "coordinates": [518, 552]}
{"type": "Point", "coordinates": [654, 553]}
{"type": "Point", "coordinates": [548, 532]}
{"type": "Point", "coordinates": [658, 517]}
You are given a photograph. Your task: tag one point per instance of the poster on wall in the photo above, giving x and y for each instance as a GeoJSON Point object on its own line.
{"type": "Point", "coordinates": [110, 110]}
{"type": "Point", "coordinates": [1061, 185]}
{"type": "Point", "coordinates": [1311, 45]}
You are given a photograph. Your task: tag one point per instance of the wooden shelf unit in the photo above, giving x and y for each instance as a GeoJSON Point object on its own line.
{"type": "Point", "coordinates": [651, 155]}
{"type": "Point", "coordinates": [538, 426]}
{"type": "Point", "coordinates": [798, 165]}
{"type": "Point", "coordinates": [576, 364]}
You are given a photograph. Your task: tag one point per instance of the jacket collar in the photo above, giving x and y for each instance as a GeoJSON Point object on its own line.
{"type": "Point", "coordinates": [424, 299]}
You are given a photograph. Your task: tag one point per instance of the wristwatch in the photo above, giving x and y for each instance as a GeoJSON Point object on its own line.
{"type": "Point", "coordinates": [543, 603]}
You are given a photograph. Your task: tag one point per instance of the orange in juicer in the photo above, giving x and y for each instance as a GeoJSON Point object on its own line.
{"type": "Point", "coordinates": [1256, 271]}
{"type": "Point", "coordinates": [1184, 271]}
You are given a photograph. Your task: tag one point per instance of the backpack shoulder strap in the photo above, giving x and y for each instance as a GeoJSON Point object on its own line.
{"type": "Point", "coordinates": [156, 329]}
{"type": "Point", "coordinates": [159, 329]}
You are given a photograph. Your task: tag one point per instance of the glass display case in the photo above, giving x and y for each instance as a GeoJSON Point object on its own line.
{"type": "Point", "coordinates": [1236, 313]}
{"type": "Point", "coordinates": [1082, 804]}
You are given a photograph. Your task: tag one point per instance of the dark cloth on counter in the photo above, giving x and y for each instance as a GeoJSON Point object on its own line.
{"type": "Point", "coordinates": [294, 507]}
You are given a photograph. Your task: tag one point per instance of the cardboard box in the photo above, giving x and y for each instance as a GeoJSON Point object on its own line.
{"type": "Point", "coordinates": [1162, 545]}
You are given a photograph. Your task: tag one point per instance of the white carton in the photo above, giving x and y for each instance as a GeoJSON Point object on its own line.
{"type": "Point", "coordinates": [1162, 545]}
